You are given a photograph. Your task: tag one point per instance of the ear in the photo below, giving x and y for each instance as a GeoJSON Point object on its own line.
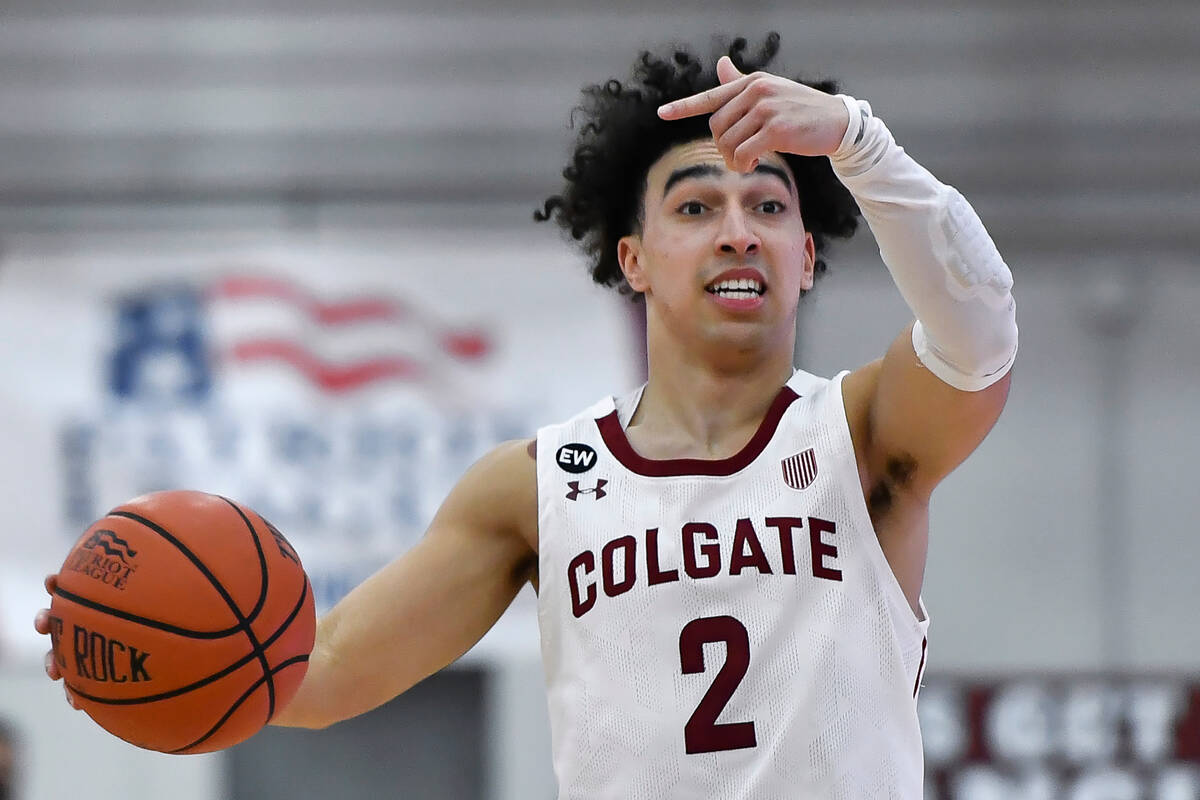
{"type": "Point", "coordinates": [810, 262]}
{"type": "Point", "coordinates": [629, 254]}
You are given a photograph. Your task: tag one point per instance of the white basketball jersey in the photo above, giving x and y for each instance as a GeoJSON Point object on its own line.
{"type": "Point", "coordinates": [723, 628]}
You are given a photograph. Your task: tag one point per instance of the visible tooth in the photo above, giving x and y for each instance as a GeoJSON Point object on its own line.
{"type": "Point", "coordinates": [742, 283]}
{"type": "Point", "coordinates": [739, 285]}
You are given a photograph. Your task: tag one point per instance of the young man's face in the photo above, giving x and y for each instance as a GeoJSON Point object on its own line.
{"type": "Point", "coordinates": [707, 231]}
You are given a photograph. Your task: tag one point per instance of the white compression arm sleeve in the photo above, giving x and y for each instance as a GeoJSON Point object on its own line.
{"type": "Point", "coordinates": [941, 257]}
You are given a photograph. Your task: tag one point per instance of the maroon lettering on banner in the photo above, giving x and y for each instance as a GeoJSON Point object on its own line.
{"type": "Point", "coordinates": [585, 562]}
{"type": "Point", "coordinates": [821, 549]}
{"type": "Point", "coordinates": [711, 551]}
{"type": "Point", "coordinates": [654, 574]}
{"type": "Point", "coordinates": [1188, 731]}
{"type": "Point", "coordinates": [784, 525]}
{"type": "Point", "coordinates": [978, 699]}
{"type": "Point", "coordinates": [1087, 735]}
{"type": "Point", "coordinates": [744, 538]}
{"type": "Point", "coordinates": [608, 558]}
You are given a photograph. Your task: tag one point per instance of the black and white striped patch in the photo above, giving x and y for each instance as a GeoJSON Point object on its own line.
{"type": "Point", "coordinates": [800, 470]}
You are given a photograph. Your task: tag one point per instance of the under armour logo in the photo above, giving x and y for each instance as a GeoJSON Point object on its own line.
{"type": "Point", "coordinates": [598, 491]}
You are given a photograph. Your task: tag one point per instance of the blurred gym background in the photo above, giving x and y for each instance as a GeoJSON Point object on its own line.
{"type": "Point", "coordinates": [284, 251]}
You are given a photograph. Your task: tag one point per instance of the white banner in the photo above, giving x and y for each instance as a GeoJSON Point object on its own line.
{"type": "Point", "coordinates": [337, 385]}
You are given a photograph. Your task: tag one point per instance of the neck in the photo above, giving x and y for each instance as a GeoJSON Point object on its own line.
{"type": "Point", "coordinates": [709, 400]}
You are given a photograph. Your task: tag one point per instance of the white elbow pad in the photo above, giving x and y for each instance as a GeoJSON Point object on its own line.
{"type": "Point", "coordinates": [962, 246]}
{"type": "Point", "coordinates": [972, 372]}
{"type": "Point", "coordinates": [979, 337]}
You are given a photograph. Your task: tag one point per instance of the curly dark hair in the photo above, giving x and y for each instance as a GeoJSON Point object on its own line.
{"type": "Point", "coordinates": [622, 137]}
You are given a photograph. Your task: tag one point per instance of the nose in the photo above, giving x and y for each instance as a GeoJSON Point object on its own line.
{"type": "Point", "coordinates": [736, 237]}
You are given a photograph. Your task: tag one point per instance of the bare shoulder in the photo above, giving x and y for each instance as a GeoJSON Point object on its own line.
{"type": "Point", "coordinates": [498, 493]}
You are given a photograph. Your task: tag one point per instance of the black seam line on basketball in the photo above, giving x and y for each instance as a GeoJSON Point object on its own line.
{"type": "Point", "coordinates": [262, 597]}
{"type": "Point", "coordinates": [262, 561]}
{"type": "Point", "coordinates": [167, 695]}
{"type": "Point", "coordinates": [237, 704]}
{"type": "Point", "coordinates": [128, 701]}
{"type": "Point", "coordinates": [146, 621]}
{"type": "Point", "coordinates": [255, 647]}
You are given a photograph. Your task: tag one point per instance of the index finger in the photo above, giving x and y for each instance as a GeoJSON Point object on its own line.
{"type": "Point", "coordinates": [705, 102]}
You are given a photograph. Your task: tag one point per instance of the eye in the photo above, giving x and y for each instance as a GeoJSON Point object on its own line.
{"type": "Point", "coordinates": [691, 208]}
{"type": "Point", "coordinates": [771, 207]}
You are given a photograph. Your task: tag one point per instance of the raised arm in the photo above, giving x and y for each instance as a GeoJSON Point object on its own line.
{"type": "Point", "coordinates": [943, 382]}
{"type": "Point", "coordinates": [429, 606]}
{"type": "Point", "coordinates": [918, 413]}
{"type": "Point", "coordinates": [923, 408]}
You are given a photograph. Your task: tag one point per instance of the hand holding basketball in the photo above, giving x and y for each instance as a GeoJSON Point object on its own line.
{"type": "Point", "coordinates": [180, 622]}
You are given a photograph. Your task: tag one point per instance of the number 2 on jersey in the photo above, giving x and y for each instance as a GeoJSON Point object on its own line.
{"type": "Point", "coordinates": [702, 733]}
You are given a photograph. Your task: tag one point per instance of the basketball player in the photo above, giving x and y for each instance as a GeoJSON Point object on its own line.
{"type": "Point", "coordinates": [728, 560]}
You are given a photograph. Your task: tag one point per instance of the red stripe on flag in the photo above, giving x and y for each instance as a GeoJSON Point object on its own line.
{"type": "Point", "coordinates": [465, 344]}
{"type": "Point", "coordinates": [339, 313]}
{"type": "Point", "coordinates": [330, 377]}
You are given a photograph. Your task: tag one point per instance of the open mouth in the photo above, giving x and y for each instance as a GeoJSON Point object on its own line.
{"type": "Point", "coordinates": [740, 289]}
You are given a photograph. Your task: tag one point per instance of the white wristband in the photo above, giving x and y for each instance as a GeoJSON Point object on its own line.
{"type": "Point", "coordinates": [859, 112]}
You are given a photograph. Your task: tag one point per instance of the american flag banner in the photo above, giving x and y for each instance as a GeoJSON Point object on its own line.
{"type": "Point", "coordinates": [338, 384]}
{"type": "Point", "coordinates": [800, 470]}
{"type": "Point", "coordinates": [338, 344]}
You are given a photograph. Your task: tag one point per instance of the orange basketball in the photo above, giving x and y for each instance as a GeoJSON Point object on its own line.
{"type": "Point", "coordinates": [182, 622]}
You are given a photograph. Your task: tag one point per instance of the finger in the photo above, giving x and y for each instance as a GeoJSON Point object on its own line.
{"type": "Point", "coordinates": [732, 139]}
{"type": "Point", "coordinates": [52, 669]}
{"type": "Point", "coordinates": [731, 113]}
{"type": "Point", "coordinates": [704, 102]}
{"type": "Point", "coordinates": [745, 157]}
{"type": "Point", "coordinates": [51, 583]}
{"type": "Point", "coordinates": [70, 697]}
{"type": "Point", "coordinates": [41, 621]}
{"type": "Point", "coordinates": [726, 71]}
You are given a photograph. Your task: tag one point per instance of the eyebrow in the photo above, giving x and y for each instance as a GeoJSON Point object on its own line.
{"type": "Point", "coordinates": [712, 171]}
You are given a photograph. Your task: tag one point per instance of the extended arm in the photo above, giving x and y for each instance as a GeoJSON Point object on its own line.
{"type": "Point", "coordinates": [429, 606]}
